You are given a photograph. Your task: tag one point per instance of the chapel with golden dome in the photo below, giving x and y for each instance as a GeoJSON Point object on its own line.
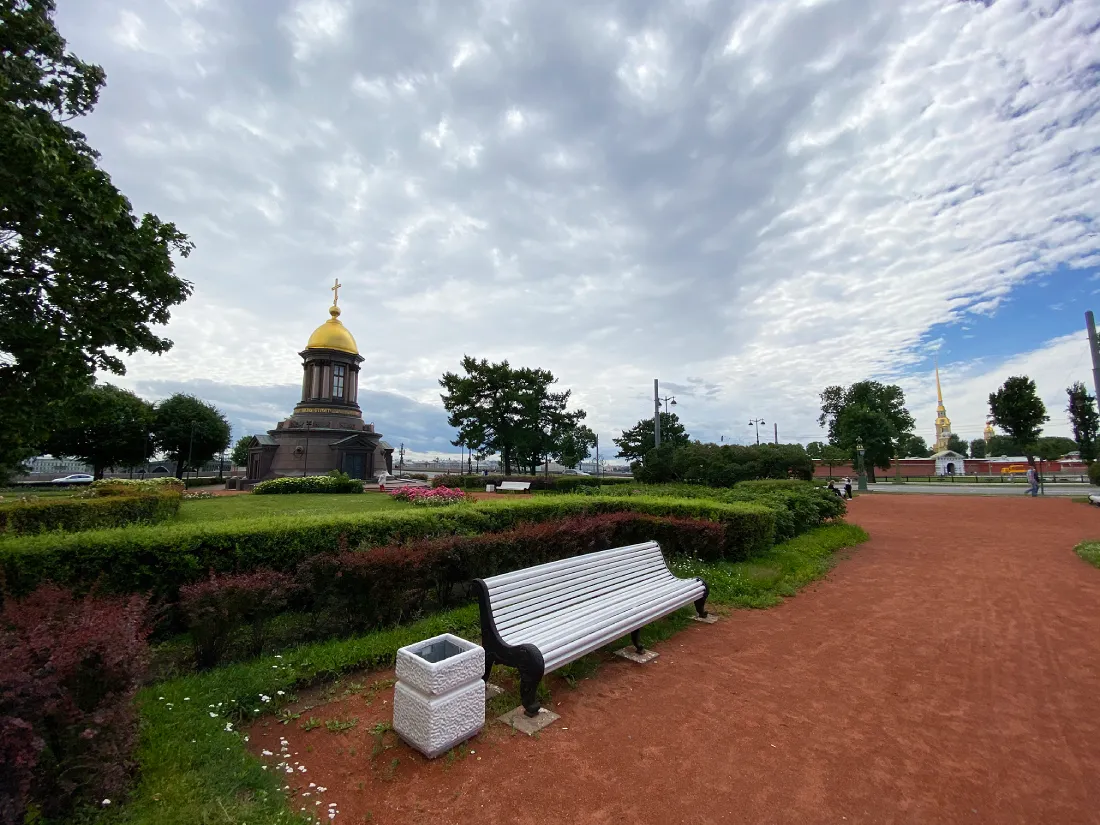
{"type": "Point", "coordinates": [326, 430]}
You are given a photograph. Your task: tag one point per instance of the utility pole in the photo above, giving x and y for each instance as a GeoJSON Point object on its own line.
{"type": "Point", "coordinates": [776, 433]}
{"type": "Point", "coordinates": [1094, 348]}
{"type": "Point", "coordinates": [656, 414]}
{"type": "Point", "coordinates": [756, 422]}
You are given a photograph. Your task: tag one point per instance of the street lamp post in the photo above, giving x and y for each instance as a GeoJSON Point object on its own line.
{"type": "Point", "coordinates": [656, 414]}
{"type": "Point", "coordinates": [756, 422]}
{"type": "Point", "coordinates": [190, 445]}
{"type": "Point", "coordinates": [862, 471]}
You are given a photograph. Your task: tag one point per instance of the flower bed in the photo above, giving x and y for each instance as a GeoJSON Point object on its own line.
{"type": "Point", "coordinates": [429, 497]}
{"type": "Point", "coordinates": [334, 482]}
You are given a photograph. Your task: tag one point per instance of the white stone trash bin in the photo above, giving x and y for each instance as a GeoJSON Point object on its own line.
{"type": "Point", "coordinates": [439, 698]}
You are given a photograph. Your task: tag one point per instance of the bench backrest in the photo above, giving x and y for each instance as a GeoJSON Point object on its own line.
{"type": "Point", "coordinates": [514, 485]}
{"type": "Point", "coordinates": [539, 592]}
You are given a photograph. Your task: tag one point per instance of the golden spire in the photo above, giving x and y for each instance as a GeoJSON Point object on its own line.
{"type": "Point", "coordinates": [332, 334]}
{"type": "Point", "coordinates": [939, 392]}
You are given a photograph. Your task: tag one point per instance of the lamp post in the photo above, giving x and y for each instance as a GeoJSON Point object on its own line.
{"type": "Point", "coordinates": [190, 445]}
{"type": "Point", "coordinates": [656, 414]}
{"type": "Point", "coordinates": [665, 399]}
{"type": "Point", "coordinates": [862, 472]}
{"type": "Point", "coordinates": [756, 422]}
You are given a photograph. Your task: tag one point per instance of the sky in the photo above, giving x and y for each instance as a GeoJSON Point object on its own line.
{"type": "Point", "coordinates": [749, 200]}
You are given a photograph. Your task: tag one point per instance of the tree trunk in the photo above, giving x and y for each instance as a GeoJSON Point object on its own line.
{"type": "Point", "coordinates": [179, 468]}
{"type": "Point", "coordinates": [870, 474]}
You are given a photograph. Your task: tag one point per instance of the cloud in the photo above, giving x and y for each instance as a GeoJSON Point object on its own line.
{"type": "Point", "coordinates": [750, 201]}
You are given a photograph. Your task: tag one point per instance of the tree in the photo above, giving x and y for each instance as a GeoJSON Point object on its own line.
{"type": "Point", "coordinates": [575, 446]}
{"type": "Point", "coordinates": [188, 431]}
{"type": "Point", "coordinates": [1053, 447]}
{"type": "Point", "coordinates": [500, 409]}
{"type": "Point", "coordinates": [977, 448]}
{"type": "Point", "coordinates": [815, 448]}
{"type": "Point", "coordinates": [638, 440]}
{"type": "Point", "coordinates": [1018, 410]}
{"type": "Point", "coordinates": [913, 446]}
{"type": "Point", "coordinates": [1002, 445]}
{"type": "Point", "coordinates": [1084, 419]}
{"type": "Point", "coordinates": [832, 456]}
{"type": "Point", "coordinates": [239, 456]}
{"type": "Point", "coordinates": [958, 445]}
{"type": "Point", "coordinates": [81, 279]}
{"type": "Point", "coordinates": [870, 412]}
{"type": "Point", "coordinates": [723, 465]}
{"type": "Point", "coordinates": [108, 427]}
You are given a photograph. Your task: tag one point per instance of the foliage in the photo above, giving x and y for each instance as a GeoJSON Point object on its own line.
{"type": "Point", "coordinates": [1002, 445]}
{"type": "Point", "coordinates": [68, 725]}
{"type": "Point", "coordinates": [107, 427]}
{"type": "Point", "coordinates": [161, 559]}
{"type": "Point", "coordinates": [958, 445]}
{"type": "Point", "coordinates": [542, 481]}
{"type": "Point", "coordinates": [870, 412]}
{"type": "Point", "coordinates": [1089, 550]}
{"type": "Point", "coordinates": [913, 446]}
{"type": "Point", "coordinates": [502, 409]}
{"type": "Point", "coordinates": [723, 465]}
{"type": "Point", "coordinates": [189, 431]}
{"type": "Point", "coordinates": [429, 496]}
{"type": "Point", "coordinates": [574, 446]}
{"type": "Point", "coordinates": [194, 770]}
{"type": "Point", "coordinates": [334, 482]}
{"type": "Point", "coordinates": [1017, 409]}
{"type": "Point", "coordinates": [977, 448]}
{"type": "Point", "coordinates": [217, 607]}
{"type": "Point", "coordinates": [636, 442]}
{"type": "Point", "coordinates": [133, 486]}
{"type": "Point", "coordinates": [82, 281]}
{"type": "Point", "coordinates": [74, 514]}
{"type": "Point", "coordinates": [1053, 447]}
{"type": "Point", "coordinates": [1084, 420]}
{"type": "Point", "coordinates": [239, 456]}
{"type": "Point", "coordinates": [1094, 473]}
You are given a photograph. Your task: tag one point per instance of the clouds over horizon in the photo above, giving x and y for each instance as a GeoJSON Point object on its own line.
{"type": "Point", "coordinates": [750, 200]}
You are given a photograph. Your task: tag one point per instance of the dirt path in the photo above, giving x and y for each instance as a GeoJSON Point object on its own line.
{"type": "Point", "coordinates": [949, 671]}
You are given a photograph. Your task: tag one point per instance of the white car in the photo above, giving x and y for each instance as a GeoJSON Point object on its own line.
{"type": "Point", "coordinates": [75, 478]}
{"type": "Point", "coordinates": [575, 473]}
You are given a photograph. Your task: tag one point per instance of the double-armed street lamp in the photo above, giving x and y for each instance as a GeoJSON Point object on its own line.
{"type": "Point", "coordinates": [756, 422]}
{"type": "Point", "coordinates": [862, 470]}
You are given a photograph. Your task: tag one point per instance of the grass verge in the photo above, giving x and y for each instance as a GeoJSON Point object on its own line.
{"type": "Point", "coordinates": [1089, 551]}
{"type": "Point", "coordinates": [195, 769]}
{"type": "Point", "coordinates": [221, 508]}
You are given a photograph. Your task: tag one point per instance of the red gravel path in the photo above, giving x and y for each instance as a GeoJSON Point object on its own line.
{"type": "Point", "coordinates": [949, 671]}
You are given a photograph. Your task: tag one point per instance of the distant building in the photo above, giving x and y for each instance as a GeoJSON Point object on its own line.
{"type": "Point", "coordinates": [943, 423]}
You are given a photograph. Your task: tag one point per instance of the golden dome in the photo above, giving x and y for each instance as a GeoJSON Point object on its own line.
{"type": "Point", "coordinates": [333, 335]}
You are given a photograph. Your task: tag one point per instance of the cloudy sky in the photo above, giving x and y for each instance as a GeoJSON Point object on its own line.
{"type": "Point", "coordinates": [748, 199]}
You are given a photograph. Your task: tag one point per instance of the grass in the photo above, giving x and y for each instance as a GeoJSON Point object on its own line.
{"type": "Point", "coordinates": [195, 768]}
{"type": "Point", "coordinates": [221, 508]}
{"type": "Point", "coordinates": [1089, 551]}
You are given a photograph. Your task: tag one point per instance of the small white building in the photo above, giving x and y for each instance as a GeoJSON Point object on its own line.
{"type": "Point", "coordinates": [949, 463]}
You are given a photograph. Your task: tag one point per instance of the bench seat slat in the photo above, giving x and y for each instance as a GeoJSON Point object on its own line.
{"type": "Point", "coordinates": [519, 602]}
{"type": "Point", "coordinates": [553, 578]}
{"type": "Point", "coordinates": [496, 582]}
{"type": "Point", "coordinates": [547, 610]}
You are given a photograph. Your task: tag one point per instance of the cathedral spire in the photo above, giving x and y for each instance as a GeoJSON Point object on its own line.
{"type": "Point", "coordinates": [943, 423]}
{"type": "Point", "coordinates": [939, 392]}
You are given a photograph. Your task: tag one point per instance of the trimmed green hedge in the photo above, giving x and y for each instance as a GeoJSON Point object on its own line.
{"type": "Point", "coordinates": [162, 558]}
{"type": "Point", "coordinates": [73, 514]}
{"type": "Point", "coordinates": [334, 482]}
{"type": "Point", "coordinates": [559, 484]}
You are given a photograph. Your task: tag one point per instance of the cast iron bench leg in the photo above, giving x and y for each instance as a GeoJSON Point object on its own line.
{"type": "Point", "coordinates": [490, 660]}
{"type": "Point", "coordinates": [700, 603]}
{"type": "Point", "coordinates": [636, 640]}
{"type": "Point", "coordinates": [531, 669]}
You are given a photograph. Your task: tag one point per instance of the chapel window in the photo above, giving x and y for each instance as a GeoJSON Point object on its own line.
{"type": "Point", "coordinates": [338, 381]}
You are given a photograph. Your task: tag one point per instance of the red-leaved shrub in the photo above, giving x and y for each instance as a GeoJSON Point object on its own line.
{"type": "Point", "coordinates": [216, 608]}
{"type": "Point", "coordinates": [69, 670]}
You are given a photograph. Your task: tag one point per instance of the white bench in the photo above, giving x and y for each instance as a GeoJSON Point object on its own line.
{"type": "Point", "coordinates": [519, 486]}
{"type": "Point", "coordinates": [543, 617]}
{"type": "Point", "coordinates": [1094, 499]}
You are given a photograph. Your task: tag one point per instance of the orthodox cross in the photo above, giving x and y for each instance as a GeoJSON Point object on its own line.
{"type": "Point", "coordinates": [336, 291]}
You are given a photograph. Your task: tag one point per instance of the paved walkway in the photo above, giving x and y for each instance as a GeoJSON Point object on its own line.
{"type": "Point", "coordinates": [947, 672]}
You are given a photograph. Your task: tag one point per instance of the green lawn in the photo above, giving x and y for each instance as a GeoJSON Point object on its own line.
{"type": "Point", "coordinates": [221, 508]}
{"type": "Point", "coordinates": [1090, 552]}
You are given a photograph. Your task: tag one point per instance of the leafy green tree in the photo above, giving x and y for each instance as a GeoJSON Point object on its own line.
{"type": "Point", "coordinates": [1053, 447]}
{"type": "Point", "coordinates": [832, 456]}
{"type": "Point", "coordinates": [1018, 410]}
{"type": "Point", "coordinates": [107, 427]}
{"type": "Point", "coordinates": [82, 280]}
{"type": "Point", "coordinates": [815, 448]}
{"type": "Point", "coordinates": [1001, 445]}
{"type": "Point", "coordinates": [1084, 420]}
{"type": "Point", "coordinates": [977, 448]}
{"type": "Point", "coordinates": [186, 428]}
{"type": "Point", "coordinates": [512, 412]}
{"type": "Point", "coordinates": [575, 446]}
{"type": "Point", "coordinates": [870, 412]}
{"type": "Point", "coordinates": [239, 456]}
{"type": "Point", "coordinates": [636, 442]}
{"type": "Point", "coordinates": [958, 445]}
{"type": "Point", "coordinates": [723, 465]}
{"type": "Point", "coordinates": [913, 446]}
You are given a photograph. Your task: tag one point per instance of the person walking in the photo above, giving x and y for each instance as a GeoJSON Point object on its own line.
{"type": "Point", "coordinates": [1032, 481]}
{"type": "Point", "coordinates": [847, 487]}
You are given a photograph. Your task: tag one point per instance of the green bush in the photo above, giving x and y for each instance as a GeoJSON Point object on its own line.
{"type": "Point", "coordinates": [210, 481]}
{"type": "Point", "coordinates": [553, 483]}
{"type": "Point", "coordinates": [75, 514]}
{"type": "Point", "coordinates": [160, 559]}
{"type": "Point", "coordinates": [134, 486]}
{"type": "Point", "coordinates": [1094, 473]}
{"type": "Point", "coordinates": [723, 465]}
{"type": "Point", "coordinates": [334, 482]}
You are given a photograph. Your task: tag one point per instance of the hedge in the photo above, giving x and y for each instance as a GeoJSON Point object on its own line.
{"type": "Point", "coordinates": [334, 482]}
{"type": "Point", "coordinates": [560, 484]}
{"type": "Point", "coordinates": [53, 514]}
{"type": "Point", "coordinates": [159, 559]}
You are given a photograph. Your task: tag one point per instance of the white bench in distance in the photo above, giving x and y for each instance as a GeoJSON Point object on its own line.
{"type": "Point", "coordinates": [517, 486]}
{"type": "Point", "coordinates": [543, 617]}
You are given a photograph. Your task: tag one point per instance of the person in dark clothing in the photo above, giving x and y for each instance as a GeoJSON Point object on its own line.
{"type": "Point", "coordinates": [847, 488]}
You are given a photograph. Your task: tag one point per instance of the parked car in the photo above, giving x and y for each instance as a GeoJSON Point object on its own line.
{"type": "Point", "coordinates": [574, 473]}
{"type": "Point", "coordinates": [75, 478]}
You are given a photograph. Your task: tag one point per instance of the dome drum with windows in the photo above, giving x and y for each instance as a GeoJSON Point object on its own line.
{"type": "Point", "coordinates": [326, 430]}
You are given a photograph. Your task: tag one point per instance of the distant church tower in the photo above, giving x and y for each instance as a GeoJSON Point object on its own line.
{"type": "Point", "coordinates": [989, 431]}
{"type": "Point", "coordinates": [943, 423]}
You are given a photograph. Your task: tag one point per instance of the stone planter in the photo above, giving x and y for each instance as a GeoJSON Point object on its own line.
{"type": "Point", "coordinates": [439, 698]}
